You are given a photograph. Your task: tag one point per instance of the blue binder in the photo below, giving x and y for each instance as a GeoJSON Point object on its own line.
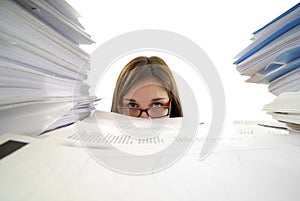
{"type": "Point", "coordinates": [277, 18]}
{"type": "Point", "coordinates": [268, 40]}
{"type": "Point", "coordinates": [283, 59]}
{"type": "Point", "coordinates": [273, 75]}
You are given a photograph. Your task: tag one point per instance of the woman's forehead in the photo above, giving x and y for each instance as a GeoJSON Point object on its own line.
{"type": "Point", "coordinates": [147, 91]}
{"type": "Point", "coordinates": [147, 81]}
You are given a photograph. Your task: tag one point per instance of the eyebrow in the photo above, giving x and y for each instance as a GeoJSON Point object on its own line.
{"type": "Point", "coordinates": [157, 99]}
{"type": "Point", "coordinates": [152, 100]}
{"type": "Point", "coordinates": [129, 99]}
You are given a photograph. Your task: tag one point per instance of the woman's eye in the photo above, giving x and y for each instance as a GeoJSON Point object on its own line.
{"type": "Point", "coordinates": [132, 105]}
{"type": "Point", "coordinates": [156, 105]}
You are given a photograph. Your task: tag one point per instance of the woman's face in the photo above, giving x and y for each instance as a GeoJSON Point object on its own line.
{"type": "Point", "coordinates": [146, 99]}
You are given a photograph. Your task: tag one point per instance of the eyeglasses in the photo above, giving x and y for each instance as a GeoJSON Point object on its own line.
{"type": "Point", "coordinates": [153, 112]}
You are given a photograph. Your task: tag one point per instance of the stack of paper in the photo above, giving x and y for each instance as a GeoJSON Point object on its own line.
{"type": "Point", "coordinates": [286, 108]}
{"type": "Point", "coordinates": [274, 58]}
{"type": "Point", "coordinates": [43, 70]}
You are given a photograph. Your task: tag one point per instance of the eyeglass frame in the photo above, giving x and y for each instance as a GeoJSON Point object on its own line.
{"type": "Point", "coordinates": [146, 110]}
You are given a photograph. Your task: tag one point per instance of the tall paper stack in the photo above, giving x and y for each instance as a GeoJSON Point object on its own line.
{"type": "Point", "coordinates": [273, 58]}
{"type": "Point", "coordinates": [43, 70]}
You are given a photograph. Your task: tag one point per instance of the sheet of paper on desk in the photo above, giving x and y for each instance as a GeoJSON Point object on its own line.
{"type": "Point", "coordinates": [250, 169]}
{"type": "Point", "coordinates": [105, 129]}
{"type": "Point", "coordinates": [104, 133]}
{"type": "Point", "coordinates": [262, 167]}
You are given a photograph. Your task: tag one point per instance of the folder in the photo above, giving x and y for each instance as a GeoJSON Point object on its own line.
{"type": "Point", "coordinates": [262, 42]}
{"type": "Point", "coordinates": [286, 16]}
{"type": "Point", "coordinates": [288, 82]}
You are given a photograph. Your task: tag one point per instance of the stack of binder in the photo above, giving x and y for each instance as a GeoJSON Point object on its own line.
{"type": "Point", "coordinates": [273, 58]}
{"type": "Point", "coordinates": [43, 69]}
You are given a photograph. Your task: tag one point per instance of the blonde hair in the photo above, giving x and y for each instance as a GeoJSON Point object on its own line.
{"type": "Point", "coordinates": [142, 68]}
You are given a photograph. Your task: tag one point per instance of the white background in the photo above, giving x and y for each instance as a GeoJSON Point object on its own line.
{"type": "Point", "coordinates": [221, 28]}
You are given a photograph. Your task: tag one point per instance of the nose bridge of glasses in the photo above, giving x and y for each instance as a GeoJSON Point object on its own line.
{"type": "Point", "coordinates": [142, 112]}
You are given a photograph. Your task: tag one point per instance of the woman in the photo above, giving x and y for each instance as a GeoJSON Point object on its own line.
{"type": "Point", "coordinates": [146, 88]}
